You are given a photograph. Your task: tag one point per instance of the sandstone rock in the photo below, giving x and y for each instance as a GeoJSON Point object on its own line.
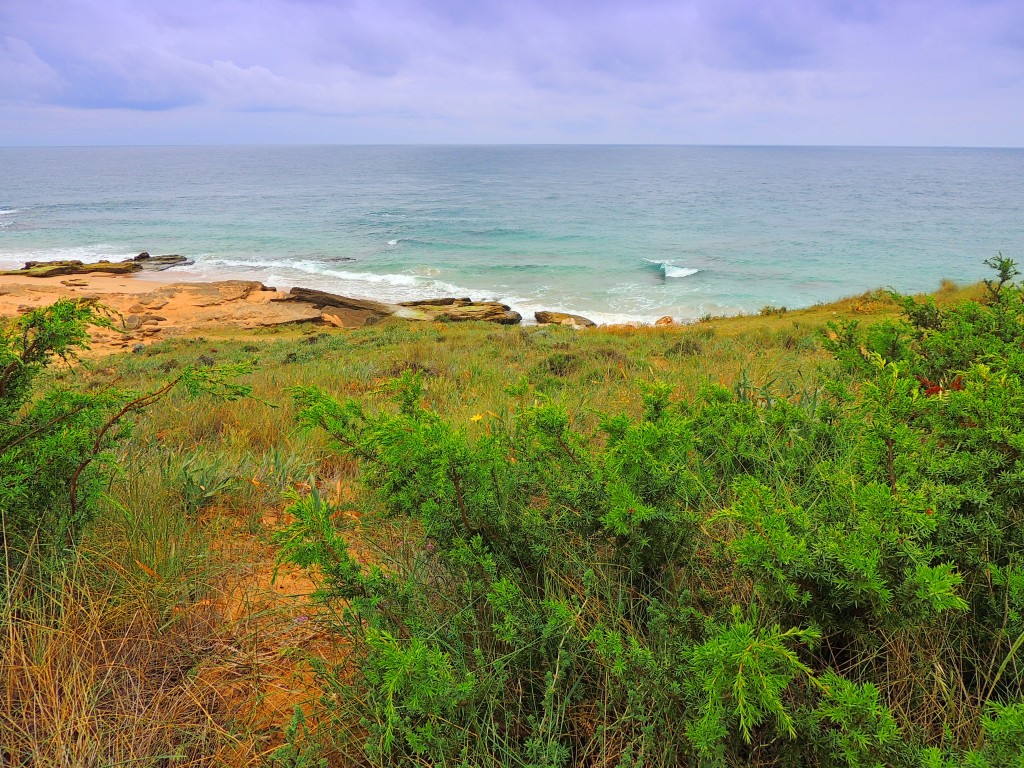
{"type": "Point", "coordinates": [74, 283]}
{"type": "Point", "coordinates": [443, 302]}
{"type": "Point", "coordinates": [72, 267]}
{"type": "Point", "coordinates": [563, 318]}
{"type": "Point", "coordinates": [666, 320]}
{"type": "Point", "coordinates": [457, 311]}
{"type": "Point", "coordinates": [487, 311]}
{"type": "Point", "coordinates": [630, 326]}
{"type": "Point", "coordinates": [267, 315]}
{"type": "Point", "coordinates": [215, 294]}
{"type": "Point", "coordinates": [321, 299]}
{"type": "Point", "coordinates": [132, 322]}
{"type": "Point", "coordinates": [136, 308]}
{"type": "Point", "coordinates": [160, 263]}
{"type": "Point", "coordinates": [334, 320]}
{"type": "Point", "coordinates": [76, 267]}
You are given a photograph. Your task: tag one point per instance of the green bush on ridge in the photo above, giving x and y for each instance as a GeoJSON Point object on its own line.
{"type": "Point", "coordinates": [830, 579]}
{"type": "Point", "coordinates": [54, 446]}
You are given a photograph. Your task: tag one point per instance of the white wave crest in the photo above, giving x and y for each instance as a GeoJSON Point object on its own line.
{"type": "Point", "coordinates": [323, 275]}
{"type": "Point", "coordinates": [672, 270]}
{"type": "Point", "coordinates": [393, 242]}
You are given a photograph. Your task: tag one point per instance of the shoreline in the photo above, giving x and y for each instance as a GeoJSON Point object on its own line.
{"type": "Point", "coordinates": [149, 306]}
{"type": "Point", "coordinates": [191, 270]}
{"type": "Point", "coordinates": [153, 305]}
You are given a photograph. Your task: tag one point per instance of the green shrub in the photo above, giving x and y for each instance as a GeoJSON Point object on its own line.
{"type": "Point", "coordinates": [54, 446]}
{"type": "Point", "coordinates": [755, 575]}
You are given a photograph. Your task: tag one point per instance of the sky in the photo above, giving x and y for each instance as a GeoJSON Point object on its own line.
{"type": "Point", "coordinates": [831, 72]}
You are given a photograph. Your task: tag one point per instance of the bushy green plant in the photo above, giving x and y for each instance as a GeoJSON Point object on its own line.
{"type": "Point", "coordinates": [54, 445]}
{"type": "Point", "coordinates": [758, 575]}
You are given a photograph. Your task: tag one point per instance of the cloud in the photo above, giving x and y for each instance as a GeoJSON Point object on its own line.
{"type": "Point", "coordinates": [527, 70]}
{"type": "Point", "coordinates": [23, 75]}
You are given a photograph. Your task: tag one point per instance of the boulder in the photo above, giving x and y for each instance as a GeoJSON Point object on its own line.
{"type": "Point", "coordinates": [563, 318]}
{"type": "Point", "coordinates": [666, 320]}
{"type": "Point", "coordinates": [160, 263]}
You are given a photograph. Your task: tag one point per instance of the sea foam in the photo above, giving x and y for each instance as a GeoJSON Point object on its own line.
{"type": "Point", "coordinates": [672, 269]}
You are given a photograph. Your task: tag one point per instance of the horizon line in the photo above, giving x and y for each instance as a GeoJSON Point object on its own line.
{"type": "Point", "coordinates": [210, 145]}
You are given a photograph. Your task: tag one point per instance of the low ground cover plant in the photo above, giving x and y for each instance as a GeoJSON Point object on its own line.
{"type": "Point", "coordinates": [821, 575]}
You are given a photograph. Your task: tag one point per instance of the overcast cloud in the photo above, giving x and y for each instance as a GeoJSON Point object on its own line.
{"type": "Point", "coordinates": [944, 72]}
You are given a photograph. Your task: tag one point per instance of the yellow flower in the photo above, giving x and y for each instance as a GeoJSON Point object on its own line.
{"type": "Point", "coordinates": [477, 417]}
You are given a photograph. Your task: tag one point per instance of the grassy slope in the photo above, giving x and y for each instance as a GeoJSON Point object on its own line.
{"type": "Point", "coordinates": [173, 637]}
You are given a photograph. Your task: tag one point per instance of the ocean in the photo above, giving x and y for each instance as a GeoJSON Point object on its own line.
{"type": "Point", "coordinates": [616, 233]}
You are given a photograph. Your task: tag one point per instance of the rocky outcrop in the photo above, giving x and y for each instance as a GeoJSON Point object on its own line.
{"type": "Point", "coordinates": [322, 299]}
{"type": "Point", "coordinates": [442, 302]}
{"type": "Point", "coordinates": [344, 311]}
{"type": "Point", "coordinates": [72, 267]}
{"type": "Point", "coordinates": [448, 310]}
{"type": "Point", "coordinates": [160, 263]}
{"type": "Point", "coordinates": [355, 312]}
{"type": "Point", "coordinates": [563, 318]}
{"type": "Point", "coordinates": [666, 320]}
{"type": "Point", "coordinates": [221, 292]}
{"type": "Point", "coordinates": [75, 267]}
{"type": "Point", "coordinates": [486, 311]}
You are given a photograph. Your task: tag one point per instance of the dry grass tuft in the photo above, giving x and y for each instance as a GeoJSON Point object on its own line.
{"type": "Point", "coordinates": [87, 678]}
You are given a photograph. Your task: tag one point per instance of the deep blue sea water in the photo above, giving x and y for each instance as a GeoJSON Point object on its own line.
{"type": "Point", "coordinates": [610, 232]}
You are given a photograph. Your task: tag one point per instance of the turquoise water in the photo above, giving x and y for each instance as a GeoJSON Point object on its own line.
{"type": "Point", "coordinates": [616, 233]}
